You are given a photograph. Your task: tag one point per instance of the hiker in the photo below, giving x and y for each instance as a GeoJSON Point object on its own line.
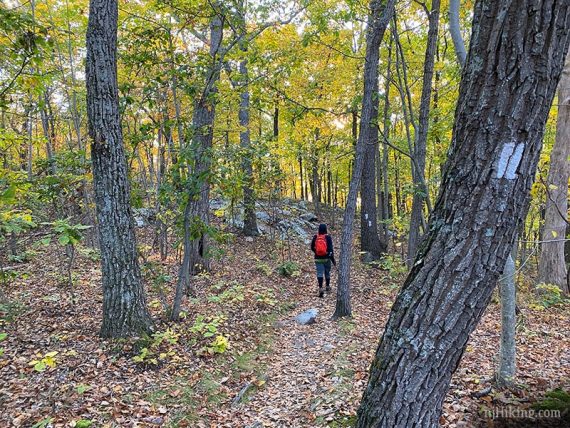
{"type": "Point", "coordinates": [322, 246]}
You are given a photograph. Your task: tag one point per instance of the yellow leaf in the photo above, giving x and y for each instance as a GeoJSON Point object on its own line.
{"type": "Point", "coordinates": [554, 233]}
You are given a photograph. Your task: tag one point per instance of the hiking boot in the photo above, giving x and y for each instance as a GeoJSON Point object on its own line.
{"type": "Point", "coordinates": [328, 289]}
{"type": "Point", "coordinates": [321, 293]}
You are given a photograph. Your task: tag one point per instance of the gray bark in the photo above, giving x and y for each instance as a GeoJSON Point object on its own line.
{"type": "Point", "coordinates": [386, 199]}
{"type": "Point", "coordinates": [371, 241]}
{"type": "Point", "coordinates": [381, 12]}
{"type": "Point", "coordinates": [124, 303]}
{"type": "Point", "coordinates": [507, 352]}
{"type": "Point", "coordinates": [552, 265]}
{"type": "Point", "coordinates": [203, 129]}
{"type": "Point", "coordinates": [420, 144]}
{"type": "Point", "coordinates": [249, 217]}
{"type": "Point", "coordinates": [510, 77]}
{"type": "Point", "coordinates": [455, 30]}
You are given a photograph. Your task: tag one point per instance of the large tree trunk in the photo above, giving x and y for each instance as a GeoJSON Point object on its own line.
{"type": "Point", "coordinates": [124, 304]}
{"type": "Point", "coordinates": [421, 193]}
{"type": "Point", "coordinates": [510, 77]}
{"type": "Point", "coordinates": [370, 241]}
{"type": "Point", "coordinates": [552, 264]}
{"type": "Point", "coordinates": [381, 12]}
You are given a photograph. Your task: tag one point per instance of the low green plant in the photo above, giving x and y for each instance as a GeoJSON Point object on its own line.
{"type": "Point", "coordinates": [232, 294]}
{"type": "Point", "coordinates": [206, 329]}
{"type": "Point", "coordinates": [45, 362]}
{"type": "Point", "coordinates": [68, 235]}
{"type": "Point", "coordinates": [157, 349]}
{"type": "Point", "coordinates": [556, 399]}
{"type": "Point", "coordinates": [393, 264]}
{"type": "Point", "coordinates": [264, 268]}
{"type": "Point", "coordinates": [549, 295]}
{"type": "Point", "coordinates": [3, 337]}
{"type": "Point", "coordinates": [288, 269]}
{"type": "Point", "coordinates": [82, 388]}
{"type": "Point", "coordinates": [44, 423]}
{"type": "Point", "coordinates": [266, 298]}
{"type": "Point", "coordinates": [91, 253]}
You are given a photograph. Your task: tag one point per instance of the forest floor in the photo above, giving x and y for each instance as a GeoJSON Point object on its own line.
{"type": "Point", "coordinates": [56, 371]}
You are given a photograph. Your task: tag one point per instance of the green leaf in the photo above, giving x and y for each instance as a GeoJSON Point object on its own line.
{"type": "Point", "coordinates": [82, 389]}
{"type": "Point", "coordinates": [64, 239]}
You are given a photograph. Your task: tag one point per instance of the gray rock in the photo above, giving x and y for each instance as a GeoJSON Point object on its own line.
{"type": "Point", "coordinates": [366, 257]}
{"type": "Point", "coordinates": [327, 347]}
{"type": "Point", "coordinates": [218, 204]}
{"type": "Point", "coordinates": [310, 217]}
{"type": "Point", "coordinates": [263, 216]}
{"type": "Point", "coordinates": [307, 317]}
{"type": "Point", "coordinates": [144, 216]}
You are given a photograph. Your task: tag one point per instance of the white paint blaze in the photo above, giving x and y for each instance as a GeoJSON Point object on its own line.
{"type": "Point", "coordinates": [509, 160]}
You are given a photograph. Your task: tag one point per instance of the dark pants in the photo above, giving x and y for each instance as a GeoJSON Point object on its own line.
{"type": "Point", "coordinates": [323, 269]}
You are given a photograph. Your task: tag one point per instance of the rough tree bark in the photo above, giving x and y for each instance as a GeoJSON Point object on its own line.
{"type": "Point", "coordinates": [249, 217]}
{"type": "Point", "coordinates": [420, 144]}
{"type": "Point", "coordinates": [371, 241]}
{"type": "Point", "coordinates": [381, 12]}
{"type": "Point", "coordinates": [124, 303]}
{"type": "Point", "coordinates": [203, 129]}
{"type": "Point", "coordinates": [196, 212]}
{"type": "Point", "coordinates": [552, 264]}
{"type": "Point", "coordinates": [455, 30]}
{"type": "Point", "coordinates": [509, 80]}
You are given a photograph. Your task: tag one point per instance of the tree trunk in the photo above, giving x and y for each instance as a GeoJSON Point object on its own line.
{"type": "Point", "coordinates": [552, 264]}
{"type": "Point", "coordinates": [49, 131]}
{"type": "Point", "coordinates": [203, 128]}
{"type": "Point", "coordinates": [386, 199]}
{"type": "Point", "coordinates": [371, 242]}
{"type": "Point", "coordinates": [124, 303]}
{"type": "Point", "coordinates": [507, 351]}
{"type": "Point", "coordinates": [249, 217]}
{"type": "Point", "coordinates": [510, 77]}
{"type": "Point", "coordinates": [381, 12]}
{"type": "Point", "coordinates": [455, 30]}
{"type": "Point", "coordinates": [420, 145]}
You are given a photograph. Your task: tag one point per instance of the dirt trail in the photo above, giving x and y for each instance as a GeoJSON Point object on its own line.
{"type": "Point", "coordinates": [315, 367]}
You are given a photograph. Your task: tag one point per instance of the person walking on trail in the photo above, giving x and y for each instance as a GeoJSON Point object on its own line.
{"type": "Point", "coordinates": [322, 247]}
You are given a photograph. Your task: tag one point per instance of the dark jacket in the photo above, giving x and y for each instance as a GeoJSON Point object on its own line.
{"type": "Point", "coordinates": [330, 250]}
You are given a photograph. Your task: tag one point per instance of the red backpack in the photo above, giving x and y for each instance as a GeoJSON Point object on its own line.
{"type": "Point", "coordinates": [321, 246]}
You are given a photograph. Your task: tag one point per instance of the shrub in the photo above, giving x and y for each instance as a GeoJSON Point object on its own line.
{"type": "Point", "coordinates": [288, 269]}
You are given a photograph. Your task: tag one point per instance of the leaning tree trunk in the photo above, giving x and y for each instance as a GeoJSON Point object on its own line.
{"type": "Point", "coordinates": [421, 193]}
{"type": "Point", "coordinates": [510, 77]}
{"type": "Point", "coordinates": [552, 264]}
{"type": "Point", "coordinates": [124, 303]}
{"type": "Point", "coordinates": [371, 242]}
{"type": "Point", "coordinates": [381, 12]}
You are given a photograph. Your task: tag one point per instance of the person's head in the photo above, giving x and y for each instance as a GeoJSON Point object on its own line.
{"type": "Point", "coordinates": [322, 229]}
